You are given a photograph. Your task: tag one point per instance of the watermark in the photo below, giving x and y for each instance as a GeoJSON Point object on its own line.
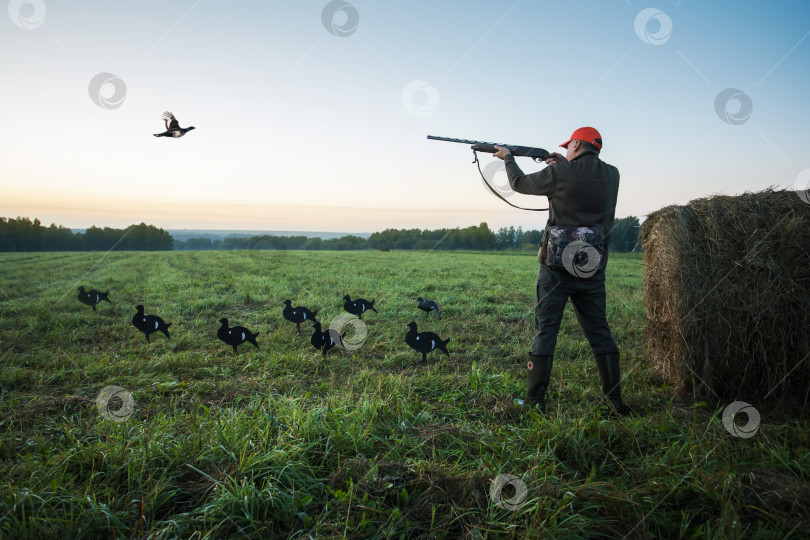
{"type": "Point", "coordinates": [116, 404]}
{"type": "Point", "coordinates": [100, 87]}
{"type": "Point", "coordinates": [497, 170]}
{"type": "Point", "coordinates": [420, 98]}
{"type": "Point", "coordinates": [733, 115]}
{"type": "Point", "coordinates": [358, 336]}
{"type": "Point", "coordinates": [27, 14]}
{"type": "Point", "coordinates": [340, 18]}
{"type": "Point", "coordinates": [658, 21]}
{"type": "Point", "coordinates": [802, 185]}
{"type": "Point", "coordinates": [497, 495]}
{"type": "Point", "coordinates": [581, 259]}
{"type": "Point", "coordinates": [730, 414]}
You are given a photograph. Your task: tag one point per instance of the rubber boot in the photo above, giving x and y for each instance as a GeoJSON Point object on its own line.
{"type": "Point", "coordinates": [538, 377]}
{"type": "Point", "coordinates": [610, 373]}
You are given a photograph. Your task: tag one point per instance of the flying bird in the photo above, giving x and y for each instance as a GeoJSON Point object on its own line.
{"type": "Point", "coordinates": [428, 305]}
{"type": "Point", "coordinates": [149, 323]}
{"type": "Point", "coordinates": [92, 297]}
{"type": "Point", "coordinates": [173, 128]}
{"type": "Point", "coordinates": [359, 306]}
{"type": "Point", "coordinates": [236, 335]}
{"type": "Point", "coordinates": [424, 342]}
{"type": "Point", "coordinates": [298, 314]}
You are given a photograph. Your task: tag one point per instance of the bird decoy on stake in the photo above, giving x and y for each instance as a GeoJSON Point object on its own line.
{"type": "Point", "coordinates": [428, 305]}
{"type": "Point", "coordinates": [424, 342]}
{"type": "Point", "coordinates": [92, 297]}
{"type": "Point", "coordinates": [236, 335]}
{"type": "Point", "coordinates": [321, 340]}
{"type": "Point", "coordinates": [298, 314]}
{"type": "Point", "coordinates": [149, 324]}
{"type": "Point", "coordinates": [358, 306]}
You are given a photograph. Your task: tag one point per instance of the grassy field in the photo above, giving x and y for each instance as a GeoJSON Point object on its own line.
{"type": "Point", "coordinates": [280, 442]}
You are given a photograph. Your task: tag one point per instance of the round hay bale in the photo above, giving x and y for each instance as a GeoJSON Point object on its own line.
{"type": "Point", "coordinates": [727, 295]}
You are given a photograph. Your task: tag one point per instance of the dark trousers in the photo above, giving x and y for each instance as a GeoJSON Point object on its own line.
{"type": "Point", "coordinates": [554, 287]}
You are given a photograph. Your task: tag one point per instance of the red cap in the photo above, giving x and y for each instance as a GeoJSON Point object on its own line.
{"type": "Point", "coordinates": [587, 134]}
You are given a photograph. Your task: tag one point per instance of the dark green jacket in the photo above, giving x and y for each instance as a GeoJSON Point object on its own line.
{"type": "Point", "coordinates": [580, 192]}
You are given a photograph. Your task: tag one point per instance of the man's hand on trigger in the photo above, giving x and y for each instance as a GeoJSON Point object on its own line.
{"type": "Point", "coordinates": [502, 152]}
{"type": "Point", "coordinates": [554, 158]}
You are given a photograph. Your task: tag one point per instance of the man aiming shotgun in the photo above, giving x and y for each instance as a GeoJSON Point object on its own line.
{"type": "Point", "coordinates": [582, 191]}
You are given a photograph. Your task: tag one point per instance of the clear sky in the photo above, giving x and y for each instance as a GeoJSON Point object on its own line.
{"type": "Point", "coordinates": [313, 115]}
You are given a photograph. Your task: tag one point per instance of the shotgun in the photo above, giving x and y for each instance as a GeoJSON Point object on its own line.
{"type": "Point", "coordinates": [537, 154]}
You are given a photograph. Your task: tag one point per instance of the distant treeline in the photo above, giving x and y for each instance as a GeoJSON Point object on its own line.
{"type": "Point", "coordinates": [22, 234]}
{"type": "Point", "coordinates": [623, 238]}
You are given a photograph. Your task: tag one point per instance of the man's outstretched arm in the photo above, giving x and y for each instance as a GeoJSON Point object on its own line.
{"type": "Point", "coordinates": [537, 183]}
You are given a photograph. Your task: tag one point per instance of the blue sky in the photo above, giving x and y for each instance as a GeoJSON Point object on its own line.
{"type": "Point", "coordinates": [302, 128]}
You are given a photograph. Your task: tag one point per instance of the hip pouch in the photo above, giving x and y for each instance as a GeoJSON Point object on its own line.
{"type": "Point", "coordinates": [579, 250]}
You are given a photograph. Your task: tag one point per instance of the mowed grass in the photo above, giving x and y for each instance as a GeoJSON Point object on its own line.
{"type": "Point", "coordinates": [281, 442]}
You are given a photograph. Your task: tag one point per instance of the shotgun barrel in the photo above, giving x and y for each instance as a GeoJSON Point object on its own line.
{"type": "Point", "coordinates": [537, 154]}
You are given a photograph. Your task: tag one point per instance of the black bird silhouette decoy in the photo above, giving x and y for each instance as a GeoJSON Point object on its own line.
{"type": "Point", "coordinates": [428, 305]}
{"type": "Point", "coordinates": [321, 340]}
{"type": "Point", "coordinates": [236, 335]}
{"type": "Point", "coordinates": [424, 342]}
{"type": "Point", "coordinates": [149, 323]}
{"type": "Point", "coordinates": [92, 297]}
{"type": "Point", "coordinates": [298, 314]}
{"type": "Point", "coordinates": [359, 306]}
{"type": "Point", "coordinates": [173, 128]}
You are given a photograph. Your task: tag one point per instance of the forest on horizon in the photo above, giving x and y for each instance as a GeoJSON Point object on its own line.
{"type": "Point", "coordinates": [22, 234]}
